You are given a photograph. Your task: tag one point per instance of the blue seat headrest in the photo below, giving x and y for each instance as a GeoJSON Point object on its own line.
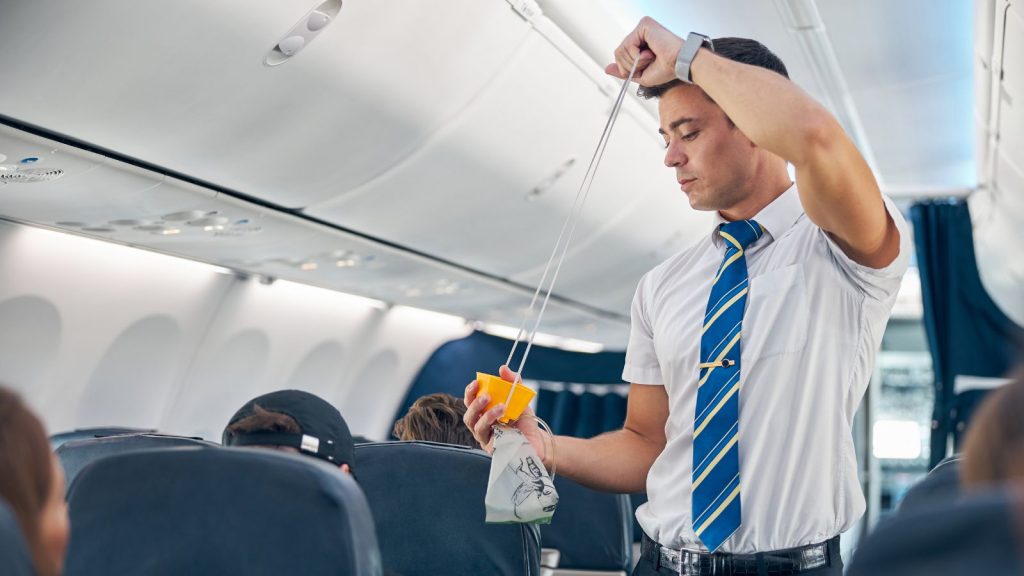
{"type": "Point", "coordinates": [97, 432]}
{"type": "Point", "coordinates": [591, 530]}
{"type": "Point", "coordinates": [76, 454]}
{"type": "Point", "coordinates": [15, 559]}
{"type": "Point", "coordinates": [218, 511]}
{"type": "Point", "coordinates": [428, 502]}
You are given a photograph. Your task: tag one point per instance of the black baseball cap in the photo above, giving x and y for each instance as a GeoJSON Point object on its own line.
{"type": "Point", "coordinates": [324, 435]}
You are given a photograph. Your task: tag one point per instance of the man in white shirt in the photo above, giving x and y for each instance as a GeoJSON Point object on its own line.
{"type": "Point", "coordinates": [750, 351]}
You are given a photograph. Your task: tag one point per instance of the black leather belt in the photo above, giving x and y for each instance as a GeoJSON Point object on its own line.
{"type": "Point", "coordinates": [776, 563]}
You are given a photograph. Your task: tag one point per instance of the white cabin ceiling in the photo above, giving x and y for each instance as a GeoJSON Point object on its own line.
{"type": "Point", "coordinates": [426, 125]}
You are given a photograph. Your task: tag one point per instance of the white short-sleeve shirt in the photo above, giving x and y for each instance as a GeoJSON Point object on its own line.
{"type": "Point", "coordinates": [812, 326]}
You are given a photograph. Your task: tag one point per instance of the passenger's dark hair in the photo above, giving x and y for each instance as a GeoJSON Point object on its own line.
{"type": "Point", "coordinates": [436, 418]}
{"type": "Point", "coordinates": [994, 445]}
{"type": "Point", "coordinates": [737, 49]}
{"type": "Point", "coordinates": [26, 472]}
{"type": "Point", "coordinates": [265, 421]}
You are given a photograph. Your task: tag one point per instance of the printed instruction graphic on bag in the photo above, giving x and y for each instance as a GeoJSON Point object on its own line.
{"type": "Point", "coordinates": [519, 488]}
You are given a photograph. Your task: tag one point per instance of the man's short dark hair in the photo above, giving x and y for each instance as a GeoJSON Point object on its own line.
{"type": "Point", "coordinates": [436, 418]}
{"type": "Point", "coordinates": [742, 50]}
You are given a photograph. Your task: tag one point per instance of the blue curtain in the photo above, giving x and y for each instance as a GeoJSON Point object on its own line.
{"type": "Point", "coordinates": [583, 414]}
{"type": "Point", "coordinates": [967, 332]}
{"type": "Point", "coordinates": [455, 363]}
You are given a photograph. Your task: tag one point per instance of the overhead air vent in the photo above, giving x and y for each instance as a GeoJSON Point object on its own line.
{"type": "Point", "coordinates": [303, 32]}
{"type": "Point", "coordinates": [30, 175]}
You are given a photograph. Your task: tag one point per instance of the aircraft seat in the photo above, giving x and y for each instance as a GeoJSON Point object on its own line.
{"type": "Point", "coordinates": [592, 531]}
{"type": "Point", "coordinates": [15, 559]}
{"type": "Point", "coordinates": [76, 454]}
{"type": "Point", "coordinates": [975, 534]}
{"type": "Point", "coordinates": [98, 432]}
{"type": "Point", "coordinates": [940, 485]}
{"type": "Point", "coordinates": [428, 501]}
{"type": "Point", "coordinates": [221, 511]}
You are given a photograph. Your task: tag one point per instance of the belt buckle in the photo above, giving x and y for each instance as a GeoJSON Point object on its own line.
{"type": "Point", "coordinates": [697, 563]}
{"type": "Point", "coordinates": [670, 558]}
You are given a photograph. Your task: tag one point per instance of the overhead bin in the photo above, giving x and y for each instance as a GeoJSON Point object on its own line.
{"type": "Point", "coordinates": [119, 202]}
{"type": "Point", "coordinates": [184, 84]}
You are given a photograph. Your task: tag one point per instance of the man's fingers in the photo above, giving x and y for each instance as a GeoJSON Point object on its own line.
{"type": "Point", "coordinates": [470, 393]}
{"type": "Point", "coordinates": [474, 408]}
{"type": "Point", "coordinates": [482, 430]}
{"type": "Point", "coordinates": [613, 70]}
{"type": "Point", "coordinates": [506, 373]}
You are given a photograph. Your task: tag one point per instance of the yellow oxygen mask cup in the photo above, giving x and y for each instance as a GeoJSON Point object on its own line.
{"type": "Point", "coordinates": [498, 388]}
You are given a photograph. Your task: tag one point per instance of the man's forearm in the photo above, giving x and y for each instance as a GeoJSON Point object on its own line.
{"type": "Point", "coordinates": [612, 462]}
{"type": "Point", "coordinates": [838, 191]}
{"type": "Point", "coordinates": [768, 108]}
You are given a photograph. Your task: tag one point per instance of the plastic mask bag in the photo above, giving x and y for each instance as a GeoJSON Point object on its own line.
{"type": "Point", "coordinates": [519, 488]}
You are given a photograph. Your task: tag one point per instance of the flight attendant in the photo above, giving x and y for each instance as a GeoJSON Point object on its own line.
{"type": "Point", "coordinates": [750, 351]}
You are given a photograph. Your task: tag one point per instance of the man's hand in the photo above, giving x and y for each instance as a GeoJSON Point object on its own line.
{"type": "Point", "coordinates": [657, 49]}
{"type": "Point", "coordinates": [480, 421]}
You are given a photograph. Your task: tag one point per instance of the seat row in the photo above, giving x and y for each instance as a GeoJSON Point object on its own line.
{"type": "Point", "coordinates": [156, 504]}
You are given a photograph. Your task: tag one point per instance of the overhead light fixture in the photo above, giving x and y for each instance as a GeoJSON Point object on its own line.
{"type": "Point", "coordinates": [542, 338]}
{"type": "Point", "coordinates": [429, 316]}
{"type": "Point", "coordinates": [308, 266]}
{"type": "Point", "coordinates": [446, 287]}
{"type": "Point", "coordinates": [585, 346]}
{"type": "Point", "coordinates": [329, 297]}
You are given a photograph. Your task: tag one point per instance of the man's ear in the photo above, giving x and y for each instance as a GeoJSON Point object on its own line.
{"type": "Point", "coordinates": [345, 468]}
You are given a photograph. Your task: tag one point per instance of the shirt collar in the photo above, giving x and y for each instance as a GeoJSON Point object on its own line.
{"type": "Point", "coordinates": [776, 218]}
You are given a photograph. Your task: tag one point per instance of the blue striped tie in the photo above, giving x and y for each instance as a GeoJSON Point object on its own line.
{"type": "Point", "coordinates": [716, 461]}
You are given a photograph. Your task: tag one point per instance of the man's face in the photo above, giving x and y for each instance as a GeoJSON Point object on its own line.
{"type": "Point", "coordinates": [713, 160]}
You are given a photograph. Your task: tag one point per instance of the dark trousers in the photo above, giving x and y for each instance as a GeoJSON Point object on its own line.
{"type": "Point", "coordinates": [645, 567]}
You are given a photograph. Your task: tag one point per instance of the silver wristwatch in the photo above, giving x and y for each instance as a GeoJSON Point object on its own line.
{"type": "Point", "coordinates": [688, 52]}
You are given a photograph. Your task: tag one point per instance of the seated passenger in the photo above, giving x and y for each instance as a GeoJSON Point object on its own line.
{"type": "Point", "coordinates": [32, 484]}
{"type": "Point", "coordinates": [293, 421]}
{"type": "Point", "coordinates": [436, 418]}
{"type": "Point", "coordinates": [994, 447]}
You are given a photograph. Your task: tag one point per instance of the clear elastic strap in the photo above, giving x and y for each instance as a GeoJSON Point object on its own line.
{"type": "Point", "coordinates": [570, 224]}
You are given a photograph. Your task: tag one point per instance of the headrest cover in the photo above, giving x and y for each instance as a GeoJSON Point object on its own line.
{"type": "Point", "coordinates": [218, 511]}
{"type": "Point", "coordinates": [324, 433]}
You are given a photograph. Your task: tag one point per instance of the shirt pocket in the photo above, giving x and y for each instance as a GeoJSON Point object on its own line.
{"type": "Point", "coordinates": [776, 319]}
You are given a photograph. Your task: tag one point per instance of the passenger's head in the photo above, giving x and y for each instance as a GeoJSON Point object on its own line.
{"type": "Point", "coordinates": [293, 421]}
{"type": "Point", "coordinates": [994, 447]}
{"type": "Point", "coordinates": [32, 483]}
{"type": "Point", "coordinates": [436, 418]}
{"type": "Point", "coordinates": [716, 165]}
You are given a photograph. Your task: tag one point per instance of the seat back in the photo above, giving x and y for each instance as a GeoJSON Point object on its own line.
{"type": "Point", "coordinates": [76, 454]}
{"type": "Point", "coordinates": [99, 432]}
{"type": "Point", "coordinates": [15, 559]}
{"type": "Point", "coordinates": [428, 502]}
{"type": "Point", "coordinates": [591, 530]}
{"type": "Point", "coordinates": [941, 485]}
{"type": "Point", "coordinates": [975, 534]}
{"type": "Point", "coordinates": [218, 511]}
{"type": "Point", "coordinates": [636, 500]}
